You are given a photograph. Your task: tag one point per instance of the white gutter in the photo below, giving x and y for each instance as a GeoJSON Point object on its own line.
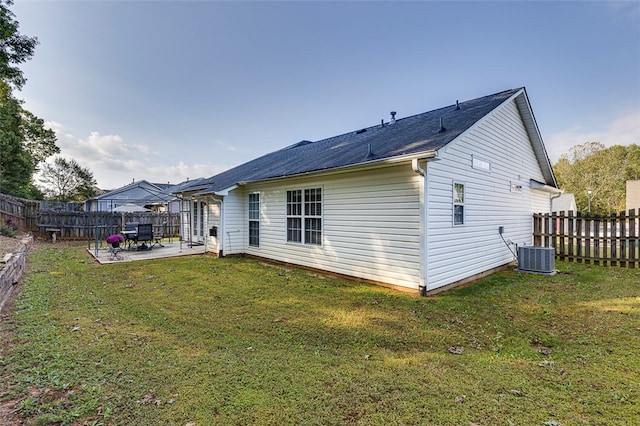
{"type": "Point", "coordinates": [424, 224]}
{"type": "Point", "coordinates": [534, 184]}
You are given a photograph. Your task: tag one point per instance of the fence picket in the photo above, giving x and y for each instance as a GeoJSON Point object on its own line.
{"type": "Point", "coordinates": [632, 240]}
{"type": "Point", "coordinates": [571, 239]}
{"type": "Point", "coordinates": [28, 215]}
{"type": "Point", "coordinates": [612, 240]}
{"type": "Point", "coordinates": [562, 234]}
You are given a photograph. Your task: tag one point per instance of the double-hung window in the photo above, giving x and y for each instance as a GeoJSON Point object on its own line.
{"type": "Point", "coordinates": [458, 203]}
{"type": "Point", "coordinates": [304, 216]}
{"type": "Point", "coordinates": [254, 219]}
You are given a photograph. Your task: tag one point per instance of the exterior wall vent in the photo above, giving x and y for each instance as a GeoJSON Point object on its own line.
{"type": "Point", "coordinates": [537, 260]}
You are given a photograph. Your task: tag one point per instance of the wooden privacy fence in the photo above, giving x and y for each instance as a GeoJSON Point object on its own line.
{"type": "Point", "coordinates": [604, 240]}
{"type": "Point", "coordinates": [99, 225]}
{"type": "Point", "coordinates": [18, 212]}
{"type": "Point", "coordinates": [43, 217]}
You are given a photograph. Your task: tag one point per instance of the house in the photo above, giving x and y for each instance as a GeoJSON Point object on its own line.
{"type": "Point", "coordinates": [155, 196]}
{"type": "Point", "coordinates": [564, 203]}
{"type": "Point", "coordinates": [632, 195]}
{"type": "Point", "coordinates": [420, 203]}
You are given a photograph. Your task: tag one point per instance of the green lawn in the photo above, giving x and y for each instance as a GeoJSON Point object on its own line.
{"type": "Point", "coordinates": [203, 341]}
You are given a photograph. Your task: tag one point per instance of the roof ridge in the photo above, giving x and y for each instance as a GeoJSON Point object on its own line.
{"type": "Point", "coordinates": [411, 135]}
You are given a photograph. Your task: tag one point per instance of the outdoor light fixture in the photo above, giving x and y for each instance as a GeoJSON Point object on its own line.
{"type": "Point", "coordinates": [589, 194]}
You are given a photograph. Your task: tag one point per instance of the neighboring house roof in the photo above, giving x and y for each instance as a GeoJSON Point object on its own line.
{"type": "Point", "coordinates": [149, 193]}
{"type": "Point", "coordinates": [405, 137]}
{"type": "Point", "coordinates": [141, 183]}
{"type": "Point", "coordinates": [168, 192]}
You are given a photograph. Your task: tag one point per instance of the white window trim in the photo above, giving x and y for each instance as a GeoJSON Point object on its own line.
{"type": "Point", "coordinates": [302, 216]}
{"type": "Point", "coordinates": [455, 203]}
{"type": "Point", "coordinates": [254, 220]}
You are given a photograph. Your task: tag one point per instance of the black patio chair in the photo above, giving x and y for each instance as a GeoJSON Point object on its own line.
{"type": "Point", "coordinates": [145, 234]}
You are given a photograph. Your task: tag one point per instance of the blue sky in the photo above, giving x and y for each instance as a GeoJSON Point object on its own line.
{"type": "Point", "coordinates": [168, 90]}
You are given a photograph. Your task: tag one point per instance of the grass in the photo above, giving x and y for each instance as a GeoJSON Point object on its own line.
{"type": "Point", "coordinates": [233, 341]}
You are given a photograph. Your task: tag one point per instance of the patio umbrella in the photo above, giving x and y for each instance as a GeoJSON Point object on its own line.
{"type": "Point", "coordinates": [129, 208]}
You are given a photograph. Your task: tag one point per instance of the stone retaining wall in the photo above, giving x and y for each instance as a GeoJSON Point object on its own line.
{"type": "Point", "coordinates": [13, 268]}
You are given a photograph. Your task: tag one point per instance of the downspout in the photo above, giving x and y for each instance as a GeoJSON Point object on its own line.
{"type": "Point", "coordinates": [551, 201]}
{"type": "Point", "coordinates": [221, 228]}
{"type": "Point", "coordinates": [424, 214]}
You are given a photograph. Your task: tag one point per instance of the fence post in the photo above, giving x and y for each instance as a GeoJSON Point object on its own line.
{"type": "Point", "coordinates": [632, 241]}
{"type": "Point", "coordinates": [623, 239]}
{"type": "Point", "coordinates": [587, 240]}
{"type": "Point", "coordinates": [579, 239]}
{"type": "Point", "coordinates": [613, 239]}
{"type": "Point", "coordinates": [562, 232]}
{"type": "Point", "coordinates": [570, 231]}
{"type": "Point", "coordinates": [554, 231]}
{"type": "Point", "coordinates": [546, 238]}
{"type": "Point", "coordinates": [536, 229]}
{"type": "Point", "coordinates": [596, 240]}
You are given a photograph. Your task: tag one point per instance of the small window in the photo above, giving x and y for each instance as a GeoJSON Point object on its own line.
{"type": "Point", "coordinates": [458, 203]}
{"type": "Point", "coordinates": [254, 220]}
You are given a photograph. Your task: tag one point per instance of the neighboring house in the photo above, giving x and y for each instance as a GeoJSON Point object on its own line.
{"type": "Point", "coordinates": [416, 203]}
{"type": "Point", "coordinates": [564, 203]}
{"type": "Point", "coordinates": [166, 200]}
{"type": "Point", "coordinates": [155, 196]}
{"type": "Point", "coordinates": [633, 195]}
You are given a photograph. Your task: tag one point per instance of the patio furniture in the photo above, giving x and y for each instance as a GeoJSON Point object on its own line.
{"type": "Point", "coordinates": [157, 237]}
{"type": "Point", "coordinates": [145, 234]}
{"type": "Point", "coordinates": [115, 253]}
{"type": "Point", "coordinates": [130, 233]}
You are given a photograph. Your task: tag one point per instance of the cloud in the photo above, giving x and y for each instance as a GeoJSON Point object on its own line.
{"type": "Point", "coordinates": [115, 163]}
{"type": "Point", "coordinates": [625, 130]}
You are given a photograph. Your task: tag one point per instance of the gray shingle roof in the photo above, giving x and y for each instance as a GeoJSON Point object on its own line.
{"type": "Point", "coordinates": [410, 135]}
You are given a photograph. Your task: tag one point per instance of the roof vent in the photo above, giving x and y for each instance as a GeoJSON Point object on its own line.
{"type": "Point", "coordinates": [360, 131]}
{"type": "Point", "coordinates": [457, 106]}
{"type": "Point", "coordinates": [442, 129]}
{"type": "Point", "coordinates": [393, 117]}
{"type": "Point", "coordinates": [369, 151]}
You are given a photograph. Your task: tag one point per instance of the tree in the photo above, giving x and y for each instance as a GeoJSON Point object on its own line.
{"type": "Point", "coordinates": [66, 180]}
{"type": "Point", "coordinates": [603, 171]}
{"type": "Point", "coordinates": [24, 140]}
{"type": "Point", "coordinates": [15, 48]}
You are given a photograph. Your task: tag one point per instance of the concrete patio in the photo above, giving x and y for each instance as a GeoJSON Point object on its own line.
{"type": "Point", "coordinates": [168, 249]}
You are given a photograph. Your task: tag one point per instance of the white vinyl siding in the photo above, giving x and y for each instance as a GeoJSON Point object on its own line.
{"type": "Point", "coordinates": [370, 225]}
{"type": "Point", "coordinates": [213, 220]}
{"type": "Point", "coordinates": [457, 252]}
{"type": "Point", "coordinates": [236, 217]}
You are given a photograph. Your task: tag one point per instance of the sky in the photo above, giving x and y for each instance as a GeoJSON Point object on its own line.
{"type": "Point", "coordinates": [172, 90]}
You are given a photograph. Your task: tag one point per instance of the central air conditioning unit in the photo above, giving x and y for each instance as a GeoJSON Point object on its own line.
{"type": "Point", "coordinates": [537, 260]}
